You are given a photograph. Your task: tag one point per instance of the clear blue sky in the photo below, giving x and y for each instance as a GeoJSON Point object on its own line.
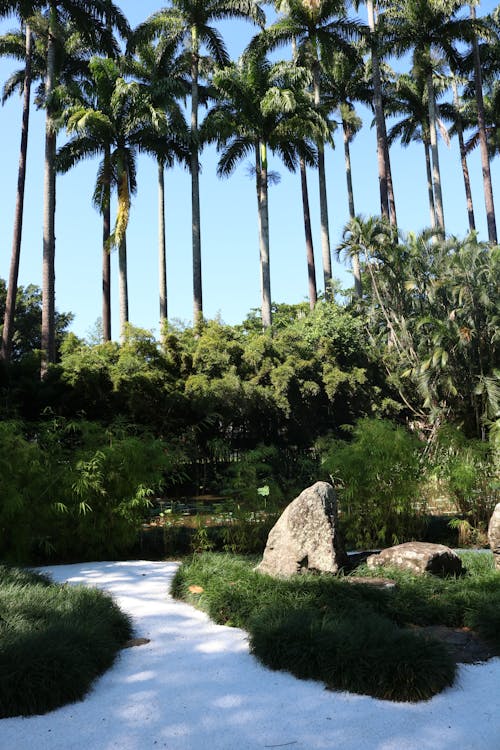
{"type": "Point", "coordinates": [228, 209]}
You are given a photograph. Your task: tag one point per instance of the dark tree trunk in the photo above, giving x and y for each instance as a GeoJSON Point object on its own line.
{"type": "Point", "coordinates": [10, 304]}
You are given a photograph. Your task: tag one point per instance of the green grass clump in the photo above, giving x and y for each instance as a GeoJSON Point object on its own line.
{"type": "Point", "coordinates": [54, 641]}
{"type": "Point", "coordinates": [352, 637]}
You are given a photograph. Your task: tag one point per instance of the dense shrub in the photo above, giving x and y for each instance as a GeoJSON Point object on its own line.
{"type": "Point", "coordinates": [54, 641]}
{"type": "Point", "coordinates": [352, 637]}
{"type": "Point", "coordinates": [378, 474]}
{"type": "Point", "coordinates": [73, 490]}
{"type": "Point", "coordinates": [471, 470]}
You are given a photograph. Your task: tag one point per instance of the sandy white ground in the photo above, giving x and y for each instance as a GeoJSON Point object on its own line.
{"type": "Point", "coordinates": [196, 687]}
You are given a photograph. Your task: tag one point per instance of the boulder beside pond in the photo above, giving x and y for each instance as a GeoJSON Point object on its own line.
{"type": "Point", "coordinates": [494, 535]}
{"type": "Point", "coordinates": [419, 557]}
{"type": "Point", "coordinates": [305, 536]}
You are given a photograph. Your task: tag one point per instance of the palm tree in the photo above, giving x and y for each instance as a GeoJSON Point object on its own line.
{"type": "Point", "coordinates": [119, 120]}
{"type": "Point", "coordinates": [320, 28]}
{"type": "Point", "coordinates": [455, 113]}
{"type": "Point", "coordinates": [409, 101]}
{"type": "Point", "coordinates": [364, 238]}
{"type": "Point", "coordinates": [188, 23]}
{"type": "Point", "coordinates": [483, 143]}
{"type": "Point", "coordinates": [92, 20]}
{"type": "Point", "coordinates": [164, 75]}
{"type": "Point", "coordinates": [10, 303]}
{"type": "Point", "coordinates": [84, 17]}
{"type": "Point", "coordinates": [261, 107]}
{"type": "Point", "coordinates": [429, 28]}
{"type": "Point", "coordinates": [343, 84]}
{"type": "Point", "coordinates": [387, 202]}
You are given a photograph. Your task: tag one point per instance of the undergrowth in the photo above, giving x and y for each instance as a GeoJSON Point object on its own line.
{"type": "Point", "coordinates": [352, 637]}
{"type": "Point", "coordinates": [54, 641]}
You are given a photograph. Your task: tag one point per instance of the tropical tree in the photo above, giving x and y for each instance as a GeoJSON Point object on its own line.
{"type": "Point", "coordinates": [320, 29]}
{"type": "Point", "coordinates": [363, 238]}
{"type": "Point", "coordinates": [68, 29]}
{"type": "Point", "coordinates": [456, 114]}
{"type": "Point", "coordinates": [92, 21]}
{"type": "Point", "coordinates": [263, 106]}
{"type": "Point", "coordinates": [163, 72]}
{"type": "Point", "coordinates": [188, 24]}
{"type": "Point", "coordinates": [10, 305]}
{"type": "Point", "coordinates": [120, 119]}
{"type": "Point", "coordinates": [483, 142]}
{"type": "Point", "coordinates": [344, 84]}
{"type": "Point", "coordinates": [431, 29]}
{"type": "Point", "coordinates": [376, 45]}
{"type": "Point", "coordinates": [409, 102]}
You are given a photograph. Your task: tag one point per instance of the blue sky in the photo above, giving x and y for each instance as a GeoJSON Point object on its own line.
{"type": "Point", "coordinates": [228, 216]}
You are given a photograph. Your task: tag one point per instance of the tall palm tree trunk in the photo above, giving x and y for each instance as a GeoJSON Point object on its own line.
{"type": "Point", "coordinates": [48, 270]}
{"type": "Point", "coordinates": [390, 188]}
{"type": "Point", "coordinates": [436, 172]}
{"type": "Point", "coordinates": [162, 249]}
{"type": "Point", "coordinates": [323, 201]}
{"type": "Point", "coordinates": [106, 257]}
{"type": "Point", "coordinates": [311, 267]}
{"type": "Point", "coordinates": [483, 143]}
{"type": "Point", "coordinates": [263, 222]}
{"type": "Point", "coordinates": [352, 213]}
{"type": "Point", "coordinates": [379, 115]}
{"type": "Point", "coordinates": [195, 185]}
{"type": "Point", "coordinates": [10, 304]}
{"type": "Point", "coordinates": [430, 190]}
{"type": "Point", "coordinates": [123, 286]}
{"type": "Point", "coordinates": [463, 158]}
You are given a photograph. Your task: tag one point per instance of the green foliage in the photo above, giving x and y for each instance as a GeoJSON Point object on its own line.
{"type": "Point", "coordinates": [378, 475]}
{"type": "Point", "coordinates": [432, 312]}
{"type": "Point", "coordinates": [471, 471]}
{"type": "Point", "coordinates": [54, 641]}
{"type": "Point", "coordinates": [472, 600]}
{"type": "Point", "coordinates": [395, 664]}
{"type": "Point", "coordinates": [352, 637]}
{"type": "Point", "coordinates": [73, 490]}
{"type": "Point", "coordinates": [21, 482]}
{"type": "Point", "coordinates": [28, 321]}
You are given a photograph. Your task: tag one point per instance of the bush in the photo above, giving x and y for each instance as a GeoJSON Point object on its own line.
{"type": "Point", "coordinates": [54, 641]}
{"type": "Point", "coordinates": [471, 471]}
{"type": "Point", "coordinates": [73, 490]}
{"type": "Point", "coordinates": [352, 637]}
{"type": "Point", "coordinates": [378, 475]}
{"type": "Point", "coordinates": [365, 653]}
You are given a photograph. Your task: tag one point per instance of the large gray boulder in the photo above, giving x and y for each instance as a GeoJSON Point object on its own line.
{"type": "Point", "coordinates": [305, 537]}
{"type": "Point", "coordinates": [419, 557]}
{"type": "Point", "coordinates": [494, 535]}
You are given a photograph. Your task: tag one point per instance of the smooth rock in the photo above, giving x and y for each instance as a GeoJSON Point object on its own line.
{"type": "Point", "coordinates": [305, 536]}
{"type": "Point", "coordinates": [419, 557]}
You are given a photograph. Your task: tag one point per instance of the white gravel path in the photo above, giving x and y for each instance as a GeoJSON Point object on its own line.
{"type": "Point", "coordinates": [196, 687]}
